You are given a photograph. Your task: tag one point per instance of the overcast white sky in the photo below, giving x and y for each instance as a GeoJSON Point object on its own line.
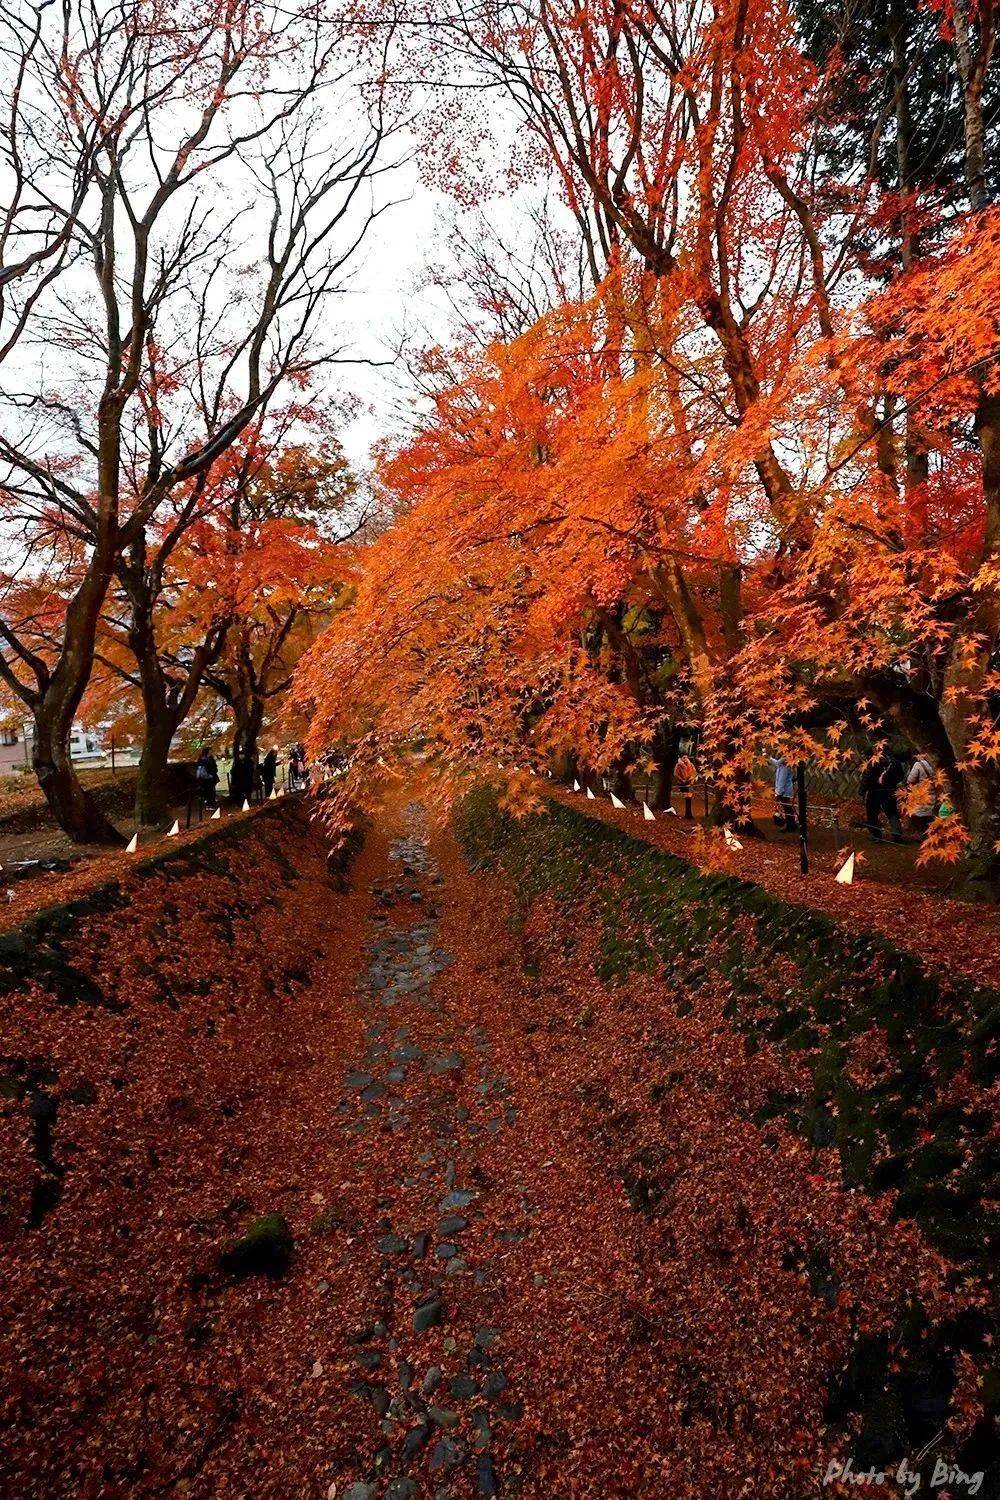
{"type": "Point", "coordinates": [385, 296]}
{"type": "Point", "coordinates": [389, 293]}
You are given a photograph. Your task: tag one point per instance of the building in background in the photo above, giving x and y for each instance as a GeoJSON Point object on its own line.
{"type": "Point", "coordinates": [86, 747]}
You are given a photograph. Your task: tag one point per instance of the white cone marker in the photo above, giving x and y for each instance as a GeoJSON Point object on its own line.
{"type": "Point", "coordinates": [731, 839]}
{"type": "Point", "coordinates": [616, 803]}
{"type": "Point", "coordinates": [173, 832]}
{"type": "Point", "coordinates": [217, 813]}
{"type": "Point", "coordinates": [274, 794]}
{"type": "Point", "coordinates": [246, 804]}
{"type": "Point", "coordinates": [577, 787]}
{"type": "Point", "coordinates": [845, 875]}
{"type": "Point", "coordinates": [647, 813]}
{"type": "Point", "coordinates": [132, 844]}
{"type": "Point", "coordinates": [590, 796]}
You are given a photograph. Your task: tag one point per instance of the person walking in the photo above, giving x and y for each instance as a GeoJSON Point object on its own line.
{"type": "Point", "coordinates": [685, 775]}
{"type": "Point", "coordinates": [784, 794]}
{"type": "Point", "coordinates": [880, 781]}
{"type": "Point", "coordinates": [206, 776]}
{"type": "Point", "coordinates": [922, 802]}
{"type": "Point", "coordinates": [241, 777]}
{"type": "Point", "coordinates": [298, 771]}
{"type": "Point", "coordinates": [269, 771]}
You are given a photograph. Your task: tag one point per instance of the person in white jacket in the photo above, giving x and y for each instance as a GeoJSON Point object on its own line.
{"type": "Point", "coordinates": [923, 804]}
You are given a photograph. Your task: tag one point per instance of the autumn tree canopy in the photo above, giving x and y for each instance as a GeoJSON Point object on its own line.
{"type": "Point", "coordinates": [749, 480]}
{"type": "Point", "coordinates": [169, 238]}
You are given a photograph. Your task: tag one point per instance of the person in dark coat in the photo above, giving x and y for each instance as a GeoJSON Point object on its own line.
{"type": "Point", "coordinates": [268, 771]}
{"type": "Point", "coordinates": [207, 776]}
{"type": "Point", "coordinates": [298, 771]}
{"type": "Point", "coordinates": [880, 781]}
{"type": "Point", "coordinates": [241, 777]}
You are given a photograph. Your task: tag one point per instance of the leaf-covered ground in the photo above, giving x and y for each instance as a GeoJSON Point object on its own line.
{"type": "Point", "coordinates": [28, 830]}
{"type": "Point", "coordinates": [556, 1228]}
{"type": "Point", "coordinates": [958, 937]}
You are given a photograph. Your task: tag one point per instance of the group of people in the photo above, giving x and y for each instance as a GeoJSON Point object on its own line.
{"type": "Point", "coordinates": [247, 775]}
{"type": "Point", "coordinates": [880, 787]}
{"type": "Point", "coordinates": [881, 782]}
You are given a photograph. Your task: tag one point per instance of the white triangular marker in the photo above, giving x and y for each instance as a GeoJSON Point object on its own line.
{"type": "Point", "coordinates": [132, 844]}
{"type": "Point", "coordinates": [845, 875]}
{"type": "Point", "coordinates": [731, 839]}
{"type": "Point", "coordinates": [217, 813]}
{"type": "Point", "coordinates": [274, 794]}
{"type": "Point", "coordinates": [577, 787]}
{"type": "Point", "coordinates": [671, 810]}
{"type": "Point", "coordinates": [648, 815]}
{"type": "Point", "coordinates": [616, 803]}
{"type": "Point", "coordinates": [590, 796]}
{"type": "Point", "coordinates": [173, 832]}
{"type": "Point", "coordinates": [246, 805]}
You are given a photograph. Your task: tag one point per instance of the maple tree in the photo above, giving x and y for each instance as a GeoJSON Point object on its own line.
{"type": "Point", "coordinates": [750, 480]}
{"type": "Point", "coordinates": [282, 566]}
{"type": "Point", "coordinates": [185, 624]}
{"type": "Point", "coordinates": [679, 181]}
{"type": "Point", "coordinates": [120, 251]}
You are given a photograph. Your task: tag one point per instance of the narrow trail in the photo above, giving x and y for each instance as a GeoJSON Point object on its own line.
{"type": "Point", "coordinates": [513, 1316]}
{"type": "Point", "coordinates": [495, 1278]}
{"type": "Point", "coordinates": [404, 1086]}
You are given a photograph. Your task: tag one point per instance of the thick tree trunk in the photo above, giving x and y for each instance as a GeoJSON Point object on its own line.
{"type": "Point", "coordinates": [166, 701]}
{"type": "Point", "coordinates": [73, 807]}
{"type": "Point", "coordinates": [723, 813]}
{"type": "Point", "coordinates": [982, 816]}
{"type": "Point", "coordinates": [943, 730]}
{"type": "Point", "coordinates": [620, 782]}
{"type": "Point", "coordinates": [666, 751]}
{"type": "Point", "coordinates": [152, 800]}
{"type": "Point", "coordinates": [55, 709]}
{"type": "Point", "coordinates": [965, 702]}
{"type": "Point", "coordinates": [249, 718]}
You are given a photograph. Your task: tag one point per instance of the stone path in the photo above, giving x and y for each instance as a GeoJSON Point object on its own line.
{"type": "Point", "coordinates": [429, 1203]}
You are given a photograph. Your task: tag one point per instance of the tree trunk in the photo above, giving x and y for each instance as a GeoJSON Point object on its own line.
{"type": "Point", "coordinates": [982, 817]}
{"type": "Point", "coordinates": [620, 782]}
{"type": "Point", "coordinates": [73, 807]}
{"type": "Point", "coordinates": [152, 801]}
{"type": "Point", "coordinates": [971, 71]}
{"type": "Point", "coordinates": [55, 709]}
{"type": "Point", "coordinates": [249, 716]}
{"type": "Point", "coordinates": [965, 702]}
{"type": "Point", "coordinates": [666, 751]}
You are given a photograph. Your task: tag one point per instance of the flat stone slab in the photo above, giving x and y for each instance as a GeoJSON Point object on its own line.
{"type": "Point", "coordinates": [449, 1062]}
{"type": "Point", "coordinates": [452, 1224]}
{"type": "Point", "coordinates": [457, 1198]}
{"type": "Point", "coordinates": [427, 1315]}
